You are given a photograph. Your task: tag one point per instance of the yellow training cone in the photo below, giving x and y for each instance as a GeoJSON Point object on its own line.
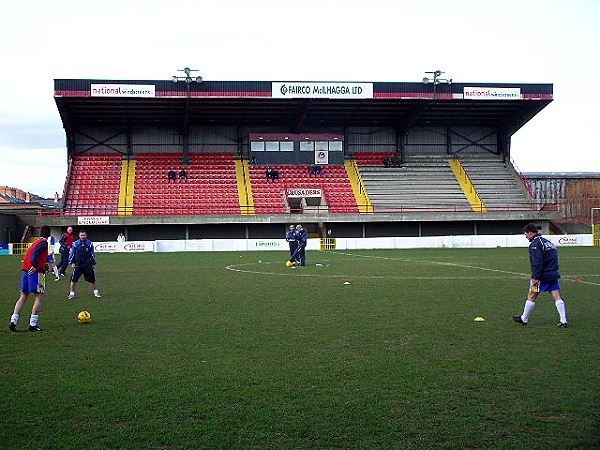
{"type": "Point", "coordinates": [479, 319]}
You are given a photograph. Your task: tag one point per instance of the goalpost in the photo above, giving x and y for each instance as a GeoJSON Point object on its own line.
{"type": "Point", "coordinates": [596, 226]}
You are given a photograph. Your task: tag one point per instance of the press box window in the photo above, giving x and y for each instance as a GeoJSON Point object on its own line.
{"type": "Point", "coordinates": [286, 146]}
{"type": "Point", "coordinates": [272, 146]}
{"type": "Point", "coordinates": [335, 146]}
{"type": "Point", "coordinates": [307, 146]}
{"type": "Point", "coordinates": [321, 146]}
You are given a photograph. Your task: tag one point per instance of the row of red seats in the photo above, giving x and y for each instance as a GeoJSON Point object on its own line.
{"type": "Point", "coordinates": [210, 187]}
{"type": "Point", "coordinates": [152, 190]}
{"type": "Point", "coordinates": [94, 185]}
{"type": "Point", "coordinates": [334, 181]}
{"type": "Point", "coordinates": [373, 158]}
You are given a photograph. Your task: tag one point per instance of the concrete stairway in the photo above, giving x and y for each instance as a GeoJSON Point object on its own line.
{"type": "Point", "coordinates": [497, 182]}
{"type": "Point", "coordinates": [423, 182]}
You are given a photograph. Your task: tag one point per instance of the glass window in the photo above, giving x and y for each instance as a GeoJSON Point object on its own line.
{"type": "Point", "coordinates": [307, 146]}
{"type": "Point", "coordinates": [321, 145]}
{"type": "Point", "coordinates": [335, 146]}
{"type": "Point", "coordinates": [257, 146]}
{"type": "Point", "coordinates": [286, 146]}
{"type": "Point", "coordinates": [272, 146]}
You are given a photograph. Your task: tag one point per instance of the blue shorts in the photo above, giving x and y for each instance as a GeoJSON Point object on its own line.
{"type": "Point", "coordinates": [33, 284]}
{"type": "Point", "coordinates": [50, 259]}
{"type": "Point", "coordinates": [547, 286]}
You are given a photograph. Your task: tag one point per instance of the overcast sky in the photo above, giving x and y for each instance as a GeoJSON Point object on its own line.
{"type": "Point", "coordinates": [524, 41]}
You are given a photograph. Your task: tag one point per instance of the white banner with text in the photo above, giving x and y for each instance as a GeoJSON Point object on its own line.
{"type": "Point", "coordinates": [303, 192]}
{"type": "Point", "coordinates": [490, 93]}
{"type": "Point", "coordinates": [93, 220]}
{"type": "Point", "coordinates": [124, 247]}
{"type": "Point", "coordinates": [293, 89]}
{"type": "Point", "coordinates": [122, 90]}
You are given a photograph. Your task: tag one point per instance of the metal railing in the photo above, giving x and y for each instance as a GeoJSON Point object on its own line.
{"type": "Point", "coordinates": [19, 248]}
{"type": "Point", "coordinates": [524, 180]}
{"type": "Point", "coordinates": [337, 208]}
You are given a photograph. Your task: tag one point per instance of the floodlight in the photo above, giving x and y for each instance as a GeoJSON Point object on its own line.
{"type": "Point", "coordinates": [188, 76]}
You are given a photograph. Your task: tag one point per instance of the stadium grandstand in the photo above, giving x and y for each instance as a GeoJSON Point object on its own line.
{"type": "Point", "coordinates": [180, 160]}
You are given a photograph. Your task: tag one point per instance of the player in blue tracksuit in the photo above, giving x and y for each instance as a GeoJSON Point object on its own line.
{"type": "Point", "coordinates": [83, 259]}
{"type": "Point", "coordinates": [292, 238]}
{"type": "Point", "coordinates": [300, 253]}
{"type": "Point", "coordinates": [543, 257]}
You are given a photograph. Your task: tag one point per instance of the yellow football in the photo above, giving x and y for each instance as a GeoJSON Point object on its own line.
{"type": "Point", "coordinates": [84, 317]}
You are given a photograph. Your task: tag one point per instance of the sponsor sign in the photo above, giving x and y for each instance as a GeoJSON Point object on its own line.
{"type": "Point", "coordinates": [268, 244]}
{"type": "Point", "coordinates": [122, 90]}
{"type": "Point", "coordinates": [93, 220]}
{"type": "Point", "coordinates": [102, 247]}
{"type": "Point", "coordinates": [293, 89]}
{"type": "Point", "coordinates": [491, 93]}
{"type": "Point", "coordinates": [321, 157]}
{"type": "Point", "coordinates": [303, 192]}
{"type": "Point", "coordinates": [566, 241]}
{"type": "Point", "coordinates": [124, 247]}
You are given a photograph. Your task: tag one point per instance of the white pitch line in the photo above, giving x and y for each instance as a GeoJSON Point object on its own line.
{"type": "Point", "coordinates": [467, 266]}
{"type": "Point", "coordinates": [235, 268]}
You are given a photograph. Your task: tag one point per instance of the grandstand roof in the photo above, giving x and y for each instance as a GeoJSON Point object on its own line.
{"type": "Point", "coordinates": [299, 105]}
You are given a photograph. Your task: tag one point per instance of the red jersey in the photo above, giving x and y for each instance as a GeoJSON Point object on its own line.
{"type": "Point", "coordinates": [37, 256]}
{"type": "Point", "coordinates": [67, 239]}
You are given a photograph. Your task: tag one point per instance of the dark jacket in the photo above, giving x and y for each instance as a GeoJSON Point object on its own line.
{"type": "Point", "coordinates": [302, 237]}
{"type": "Point", "coordinates": [82, 254]}
{"type": "Point", "coordinates": [543, 256]}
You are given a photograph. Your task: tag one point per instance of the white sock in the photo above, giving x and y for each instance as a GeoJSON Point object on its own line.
{"type": "Point", "coordinates": [15, 318]}
{"type": "Point", "coordinates": [33, 320]}
{"type": "Point", "coordinates": [562, 312]}
{"type": "Point", "coordinates": [529, 305]}
{"type": "Point", "coordinates": [55, 270]}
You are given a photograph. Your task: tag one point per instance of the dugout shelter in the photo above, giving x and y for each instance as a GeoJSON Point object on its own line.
{"type": "Point", "coordinates": [395, 159]}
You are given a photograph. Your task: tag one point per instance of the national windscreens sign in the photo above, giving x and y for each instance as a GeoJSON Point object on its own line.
{"type": "Point", "coordinates": [491, 93]}
{"type": "Point", "coordinates": [122, 90]}
{"type": "Point", "coordinates": [341, 90]}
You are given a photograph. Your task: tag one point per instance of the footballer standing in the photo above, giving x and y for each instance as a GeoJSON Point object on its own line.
{"type": "Point", "coordinates": [83, 259]}
{"type": "Point", "coordinates": [33, 280]}
{"type": "Point", "coordinates": [543, 256]}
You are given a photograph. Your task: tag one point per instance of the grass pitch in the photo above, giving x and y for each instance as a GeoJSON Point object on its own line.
{"type": "Point", "coordinates": [219, 350]}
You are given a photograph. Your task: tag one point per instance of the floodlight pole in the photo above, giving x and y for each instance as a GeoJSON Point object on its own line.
{"type": "Point", "coordinates": [188, 79]}
{"type": "Point", "coordinates": [436, 74]}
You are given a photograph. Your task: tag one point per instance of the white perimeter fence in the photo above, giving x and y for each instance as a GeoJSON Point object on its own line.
{"type": "Point", "coordinates": [244, 245]}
